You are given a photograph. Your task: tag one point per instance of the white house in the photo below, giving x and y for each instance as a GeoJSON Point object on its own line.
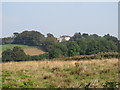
{"type": "Point", "coordinates": [64, 38]}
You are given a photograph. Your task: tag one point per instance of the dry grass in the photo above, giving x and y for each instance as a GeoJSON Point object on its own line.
{"type": "Point", "coordinates": [33, 51]}
{"type": "Point", "coordinates": [60, 64]}
{"type": "Point", "coordinates": [64, 74]}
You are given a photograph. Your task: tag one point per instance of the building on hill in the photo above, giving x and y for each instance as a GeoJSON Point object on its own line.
{"type": "Point", "coordinates": [64, 38]}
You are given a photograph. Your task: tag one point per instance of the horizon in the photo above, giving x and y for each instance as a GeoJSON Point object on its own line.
{"type": "Point", "coordinates": [60, 35]}
{"type": "Point", "coordinates": [61, 18]}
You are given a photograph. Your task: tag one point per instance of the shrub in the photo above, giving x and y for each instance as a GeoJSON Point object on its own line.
{"type": "Point", "coordinates": [40, 57]}
{"type": "Point", "coordinates": [16, 54]}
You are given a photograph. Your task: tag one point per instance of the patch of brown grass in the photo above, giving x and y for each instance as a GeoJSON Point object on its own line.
{"type": "Point", "coordinates": [33, 51]}
{"type": "Point", "coordinates": [57, 64]}
{"type": "Point", "coordinates": [65, 74]}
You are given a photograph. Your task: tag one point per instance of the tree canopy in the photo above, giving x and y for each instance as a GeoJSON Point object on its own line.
{"type": "Point", "coordinates": [79, 44]}
{"type": "Point", "coordinates": [31, 38]}
{"type": "Point", "coordinates": [16, 54]}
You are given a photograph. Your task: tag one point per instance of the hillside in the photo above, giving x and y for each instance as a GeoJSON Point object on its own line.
{"type": "Point", "coordinates": [33, 51]}
{"type": "Point", "coordinates": [10, 46]}
{"type": "Point", "coordinates": [78, 44]}
{"type": "Point", "coordinates": [61, 74]}
{"type": "Point", "coordinates": [29, 50]}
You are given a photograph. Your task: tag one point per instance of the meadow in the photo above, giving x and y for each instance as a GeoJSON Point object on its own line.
{"type": "Point", "coordinates": [97, 73]}
{"type": "Point", "coordinates": [29, 50]}
{"type": "Point", "coordinates": [10, 46]}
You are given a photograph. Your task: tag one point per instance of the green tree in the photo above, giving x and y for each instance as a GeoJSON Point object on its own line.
{"type": "Point", "coordinates": [85, 35]}
{"type": "Point", "coordinates": [32, 38]}
{"type": "Point", "coordinates": [76, 36]}
{"type": "Point", "coordinates": [51, 39]}
{"type": "Point", "coordinates": [63, 47]}
{"type": "Point", "coordinates": [55, 53]}
{"type": "Point", "coordinates": [83, 43]}
{"type": "Point", "coordinates": [50, 42]}
{"type": "Point", "coordinates": [111, 38]}
{"type": "Point", "coordinates": [7, 40]}
{"type": "Point", "coordinates": [16, 54]}
{"type": "Point", "coordinates": [15, 34]}
{"type": "Point", "coordinates": [7, 55]}
{"type": "Point", "coordinates": [73, 48]}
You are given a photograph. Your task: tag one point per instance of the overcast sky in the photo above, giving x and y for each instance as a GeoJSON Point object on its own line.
{"type": "Point", "coordinates": [60, 18]}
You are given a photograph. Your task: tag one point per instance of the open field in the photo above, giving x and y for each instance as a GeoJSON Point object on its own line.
{"type": "Point", "coordinates": [29, 50]}
{"type": "Point", "coordinates": [10, 46]}
{"type": "Point", "coordinates": [61, 74]}
{"type": "Point", "coordinates": [33, 51]}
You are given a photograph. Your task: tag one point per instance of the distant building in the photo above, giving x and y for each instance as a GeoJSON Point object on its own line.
{"type": "Point", "coordinates": [64, 38]}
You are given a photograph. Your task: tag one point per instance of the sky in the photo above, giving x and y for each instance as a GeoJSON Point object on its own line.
{"type": "Point", "coordinates": [60, 18]}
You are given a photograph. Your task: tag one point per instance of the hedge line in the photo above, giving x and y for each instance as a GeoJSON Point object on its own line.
{"type": "Point", "coordinates": [101, 55]}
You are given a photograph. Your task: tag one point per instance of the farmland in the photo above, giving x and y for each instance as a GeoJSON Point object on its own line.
{"type": "Point", "coordinates": [33, 51]}
{"type": "Point", "coordinates": [10, 46]}
{"type": "Point", "coordinates": [59, 45]}
{"type": "Point", "coordinates": [85, 61]}
{"type": "Point", "coordinates": [61, 74]}
{"type": "Point", "coordinates": [29, 50]}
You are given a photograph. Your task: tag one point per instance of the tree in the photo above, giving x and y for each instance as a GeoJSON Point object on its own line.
{"type": "Point", "coordinates": [73, 48]}
{"type": "Point", "coordinates": [94, 36]}
{"type": "Point", "coordinates": [15, 34]}
{"type": "Point", "coordinates": [76, 36]}
{"type": "Point", "coordinates": [62, 46]}
{"type": "Point", "coordinates": [7, 55]}
{"type": "Point", "coordinates": [50, 42]}
{"type": "Point", "coordinates": [83, 43]}
{"type": "Point", "coordinates": [55, 53]}
{"type": "Point", "coordinates": [16, 54]}
{"type": "Point", "coordinates": [31, 38]}
{"type": "Point", "coordinates": [51, 39]}
{"type": "Point", "coordinates": [111, 38]}
{"type": "Point", "coordinates": [92, 47]}
{"type": "Point", "coordinates": [85, 35]}
{"type": "Point", "coordinates": [7, 40]}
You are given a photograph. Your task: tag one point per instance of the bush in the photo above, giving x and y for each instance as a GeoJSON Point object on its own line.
{"type": "Point", "coordinates": [101, 55]}
{"type": "Point", "coordinates": [16, 54]}
{"type": "Point", "coordinates": [40, 57]}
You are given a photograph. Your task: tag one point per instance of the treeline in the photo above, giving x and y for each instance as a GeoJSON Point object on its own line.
{"type": "Point", "coordinates": [79, 44]}
{"type": "Point", "coordinates": [101, 55]}
{"type": "Point", "coordinates": [18, 54]}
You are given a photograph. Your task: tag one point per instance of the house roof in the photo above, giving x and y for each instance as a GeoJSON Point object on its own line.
{"type": "Point", "coordinates": [64, 36]}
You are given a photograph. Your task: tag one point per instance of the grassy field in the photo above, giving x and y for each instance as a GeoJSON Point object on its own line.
{"type": "Point", "coordinates": [61, 74]}
{"type": "Point", "coordinates": [33, 51]}
{"type": "Point", "coordinates": [29, 50]}
{"type": "Point", "coordinates": [10, 46]}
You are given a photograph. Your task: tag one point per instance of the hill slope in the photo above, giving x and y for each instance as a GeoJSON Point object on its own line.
{"type": "Point", "coordinates": [29, 50]}
{"type": "Point", "coordinates": [33, 51]}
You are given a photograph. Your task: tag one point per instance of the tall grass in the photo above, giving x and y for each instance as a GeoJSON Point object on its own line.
{"type": "Point", "coordinates": [61, 74]}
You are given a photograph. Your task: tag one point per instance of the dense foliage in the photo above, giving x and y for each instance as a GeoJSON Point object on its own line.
{"type": "Point", "coordinates": [6, 40]}
{"type": "Point", "coordinates": [31, 38]}
{"type": "Point", "coordinates": [82, 45]}
{"type": "Point", "coordinates": [44, 56]}
{"type": "Point", "coordinates": [102, 55]}
{"type": "Point", "coordinates": [16, 54]}
{"type": "Point", "coordinates": [79, 44]}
